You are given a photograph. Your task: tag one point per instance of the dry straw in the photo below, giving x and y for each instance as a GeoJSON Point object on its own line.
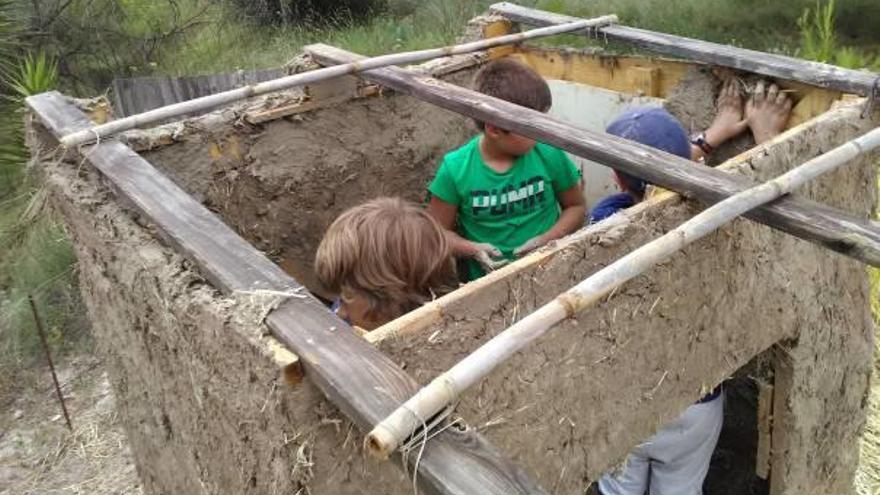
{"type": "Point", "coordinates": [206, 103]}
{"type": "Point", "coordinates": [446, 388]}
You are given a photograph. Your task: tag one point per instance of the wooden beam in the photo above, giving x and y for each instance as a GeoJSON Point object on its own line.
{"type": "Point", "coordinates": [364, 383]}
{"type": "Point", "coordinates": [828, 227]}
{"type": "Point", "coordinates": [767, 64]}
{"type": "Point", "coordinates": [620, 73]}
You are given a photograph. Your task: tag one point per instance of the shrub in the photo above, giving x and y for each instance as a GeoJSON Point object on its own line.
{"type": "Point", "coordinates": [308, 11]}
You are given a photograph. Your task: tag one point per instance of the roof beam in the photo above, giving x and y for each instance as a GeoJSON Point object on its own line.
{"type": "Point", "coordinates": [814, 222]}
{"type": "Point", "coordinates": [767, 64]}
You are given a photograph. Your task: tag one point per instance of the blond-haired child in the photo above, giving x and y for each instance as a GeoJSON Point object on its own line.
{"type": "Point", "coordinates": [384, 258]}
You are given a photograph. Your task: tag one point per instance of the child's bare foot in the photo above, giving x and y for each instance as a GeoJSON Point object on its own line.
{"type": "Point", "coordinates": [729, 121]}
{"type": "Point", "coordinates": [767, 111]}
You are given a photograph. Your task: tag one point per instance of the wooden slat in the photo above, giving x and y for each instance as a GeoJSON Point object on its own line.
{"type": "Point", "coordinates": [765, 429]}
{"type": "Point", "coordinates": [767, 64]}
{"type": "Point", "coordinates": [806, 219]}
{"type": "Point", "coordinates": [354, 375]}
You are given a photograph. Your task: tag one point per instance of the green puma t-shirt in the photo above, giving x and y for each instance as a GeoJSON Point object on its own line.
{"type": "Point", "coordinates": [508, 209]}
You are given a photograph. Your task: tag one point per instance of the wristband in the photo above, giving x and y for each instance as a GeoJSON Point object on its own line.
{"type": "Point", "coordinates": [700, 142]}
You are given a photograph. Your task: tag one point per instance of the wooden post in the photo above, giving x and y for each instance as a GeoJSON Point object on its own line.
{"type": "Point", "coordinates": [820, 224]}
{"type": "Point", "coordinates": [211, 101]}
{"type": "Point", "coordinates": [767, 64]}
{"type": "Point", "coordinates": [765, 429]}
{"type": "Point", "coordinates": [361, 381]}
{"type": "Point", "coordinates": [448, 387]}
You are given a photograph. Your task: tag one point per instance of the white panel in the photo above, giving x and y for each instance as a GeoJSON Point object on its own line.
{"type": "Point", "coordinates": [593, 108]}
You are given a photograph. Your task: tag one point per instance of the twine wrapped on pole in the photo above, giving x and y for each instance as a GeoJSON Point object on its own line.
{"type": "Point", "coordinates": [446, 388]}
{"type": "Point", "coordinates": [212, 101]}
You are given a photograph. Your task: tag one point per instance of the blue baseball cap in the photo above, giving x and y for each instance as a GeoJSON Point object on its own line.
{"type": "Point", "coordinates": [651, 126]}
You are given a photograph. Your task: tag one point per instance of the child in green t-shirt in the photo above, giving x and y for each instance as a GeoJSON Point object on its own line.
{"type": "Point", "coordinates": [502, 195]}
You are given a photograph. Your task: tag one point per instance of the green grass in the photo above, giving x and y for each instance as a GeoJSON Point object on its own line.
{"type": "Point", "coordinates": [762, 25]}
{"type": "Point", "coordinates": [231, 43]}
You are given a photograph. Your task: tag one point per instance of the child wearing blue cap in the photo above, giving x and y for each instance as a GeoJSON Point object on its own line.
{"type": "Point", "coordinates": [676, 459]}
{"type": "Point", "coordinates": [765, 114]}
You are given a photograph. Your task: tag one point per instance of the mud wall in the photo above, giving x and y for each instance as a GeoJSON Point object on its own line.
{"type": "Point", "coordinates": [575, 403]}
{"type": "Point", "coordinates": [201, 397]}
{"type": "Point", "coordinates": [280, 184]}
{"type": "Point", "coordinates": [206, 411]}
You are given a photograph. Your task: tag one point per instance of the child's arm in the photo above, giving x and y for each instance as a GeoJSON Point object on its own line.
{"type": "Point", "coordinates": [728, 122]}
{"type": "Point", "coordinates": [766, 113]}
{"type": "Point", "coordinates": [574, 211]}
{"type": "Point", "coordinates": [446, 214]}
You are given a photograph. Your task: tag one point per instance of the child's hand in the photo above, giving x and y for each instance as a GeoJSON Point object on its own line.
{"type": "Point", "coordinates": [529, 246]}
{"type": "Point", "coordinates": [767, 111]}
{"type": "Point", "coordinates": [484, 254]}
{"type": "Point", "coordinates": [729, 121]}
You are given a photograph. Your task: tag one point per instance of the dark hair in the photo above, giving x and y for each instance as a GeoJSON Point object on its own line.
{"type": "Point", "coordinates": [512, 81]}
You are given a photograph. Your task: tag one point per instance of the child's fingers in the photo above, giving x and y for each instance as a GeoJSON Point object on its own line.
{"type": "Point", "coordinates": [528, 247]}
{"type": "Point", "coordinates": [781, 98]}
{"type": "Point", "coordinates": [730, 88]}
{"type": "Point", "coordinates": [488, 263]}
{"type": "Point", "coordinates": [759, 92]}
{"type": "Point", "coordinates": [491, 250]}
{"type": "Point", "coordinates": [498, 264]}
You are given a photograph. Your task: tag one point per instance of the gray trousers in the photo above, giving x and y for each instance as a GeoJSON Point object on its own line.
{"type": "Point", "coordinates": [675, 460]}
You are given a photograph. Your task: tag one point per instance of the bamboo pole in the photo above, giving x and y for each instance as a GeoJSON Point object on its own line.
{"type": "Point", "coordinates": [205, 103]}
{"type": "Point", "coordinates": [446, 388]}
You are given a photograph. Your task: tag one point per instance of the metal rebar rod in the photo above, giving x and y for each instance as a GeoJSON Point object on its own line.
{"type": "Point", "coordinates": [45, 342]}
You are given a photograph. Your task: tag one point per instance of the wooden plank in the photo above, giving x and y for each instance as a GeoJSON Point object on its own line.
{"type": "Point", "coordinates": [498, 28]}
{"type": "Point", "coordinates": [828, 227]}
{"type": "Point", "coordinates": [357, 377]}
{"type": "Point", "coordinates": [765, 429]}
{"type": "Point", "coordinates": [602, 70]}
{"type": "Point", "coordinates": [621, 73]}
{"type": "Point", "coordinates": [313, 103]}
{"type": "Point", "coordinates": [767, 64]}
{"type": "Point", "coordinates": [646, 81]}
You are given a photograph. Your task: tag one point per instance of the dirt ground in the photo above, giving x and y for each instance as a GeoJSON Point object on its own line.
{"type": "Point", "coordinates": [38, 455]}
